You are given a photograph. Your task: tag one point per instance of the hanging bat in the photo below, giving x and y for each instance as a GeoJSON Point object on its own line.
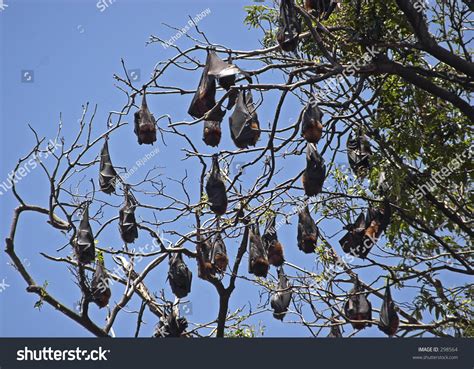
{"type": "Point", "coordinates": [179, 275]}
{"type": "Point", "coordinates": [258, 258]}
{"type": "Point", "coordinates": [281, 299]}
{"type": "Point", "coordinates": [107, 173]}
{"type": "Point", "coordinates": [100, 290]}
{"type": "Point", "coordinates": [321, 9]}
{"type": "Point", "coordinates": [272, 245]}
{"type": "Point", "coordinates": [203, 257]}
{"type": "Point", "coordinates": [226, 74]}
{"type": "Point", "coordinates": [215, 189]}
{"type": "Point", "coordinates": [335, 332]}
{"type": "Point", "coordinates": [84, 243]}
{"type": "Point", "coordinates": [308, 232]}
{"type": "Point", "coordinates": [389, 320]}
{"type": "Point", "coordinates": [145, 124]}
{"type": "Point", "coordinates": [204, 99]}
{"type": "Point", "coordinates": [127, 222]}
{"type": "Point", "coordinates": [357, 307]}
{"type": "Point", "coordinates": [352, 241]}
{"type": "Point", "coordinates": [315, 172]}
{"type": "Point", "coordinates": [377, 221]}
{"type": "Point", "coordinates": [171, 325]}
{"type": "Point", "coordinates": [219, 259]}
{"type": "Point", "coordinates": [359, 153]}
{"type": "Point", "coordinates": [244, 125]}
{"type": "Point", "coordinates": [311, 127]}
{"type": "Point", "coordinates": [212, 133]}
{"type": "Point", "coordinates": [289, 26]}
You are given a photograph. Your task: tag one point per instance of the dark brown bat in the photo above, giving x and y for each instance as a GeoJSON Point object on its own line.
{"type": "Point", "coordinates": [219, 259]}
{"type": "Point", "coordinates": [359, 153]}
{"type": "Point", "coordinates": [84, 243]}
{"type": "Point", "coordinates": [100, 290]}
{"type": "Point", "coordinates": [321, 9]}
{"type": "Point", "coordinates": [272, 245]}
{"type": "Point", "coordinates": [215, 189]}
{"type": "Point", "coordinates": [171, 325]}
{"type": "Point", "coordinates": [352, 241]}
{"type": "Point", "coordinates": [244, 125]}
{"type": "Point", "coordinates": [335, 332]}
{"type": "Point", "coordinates": [281, 299]}
{"type": "Point", "coordinates": [179, 275]}
{"type": "Point", "coordinates": [311, 126]}
{"type": "Point", "coordinates": [365, 232]}
{"type": "Point", "coordinates": [212, 133]}
{"type": "Point", "coordinates": [127, 222]}
{"type": "Point", "coordinates": [145, 124]}
{"type": "Point", "coordinates": [389, 320]}
{"type": "Point", "coordinates": [308, 232]}
{"type": "Point", "coordinates": [204, 99]}
{"type": "Point", "coordinates": [107, 173]}
{"type": "Point", "coordinates": [203, 257]}
{"type": "Point", "coordinates": [289, 26]}
{"type": "Point", "coordinates": [315, 172]}
{"type": "Point", "coordinates": [258, 258]}
{"type": "Point", "coordinates": [357, 307]}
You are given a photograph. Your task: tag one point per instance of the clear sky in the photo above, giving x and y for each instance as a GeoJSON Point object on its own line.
{"type": "Point", "coordinates": [58, 55]}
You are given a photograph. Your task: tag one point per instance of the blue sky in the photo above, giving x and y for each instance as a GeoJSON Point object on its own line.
{"type": "Point", "coordinates": [55, 57]}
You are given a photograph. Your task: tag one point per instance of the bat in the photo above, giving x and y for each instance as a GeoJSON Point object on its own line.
{"type": "Point", "coordinates": [100, 290]}
{"type": "Point", "coordinates": [311, 127]}
{"type": "Point", "coordinates": [212, 133]}
{"type": "Point", "coordinates": [219, 259]}
{"type": "Point", "coordinates": [315, 172]}
{"type": "Point", "coordinates": [171, 325]}
{"type": "Point", "coordinates": [352, 241]}
{"type": "Point", "coordinates": [107, 173]}
{"type": "Point", "coordinates": [357, 308]}
{"type": "Point", "coordinates": [145, 124]}
{"type": "Point", "coordinates": [335, 332]}
{"type": "Point", "coordinates": [204, 100]}
{"type": "Point", "coordinates": [308, 232]}
{"type": "Point", "coordinates": [215, 189]}
{"type": "Point", "coordinates": [244, 125]}
{"type": "Point", "coordinates": [321, 9]}
{"type": "Point", "coordinates": [84, 243]}
{"type": "Point", "coordinates": [289, 26]}
{"type": "Point", "coordinates": [280, 300]}
{"type": "Point", "coordinates": [203, 257]}
{"type": "Point", "coordinates": [359, 153]}
{"type": "Point", "coordinates": [366, 230]}
{"type": "Point", "coordinates": [258, 258]}
{"type": "Point", "coordinates": [179, 275]}
{"type": "Point", "coordinates": [389, 320]}
{"type": "Point", "coordinates": [127, 222]}
{"type": "Point", "coordinates": [272, 245]}
{"type": "Point", "coordinates": [226, 74]}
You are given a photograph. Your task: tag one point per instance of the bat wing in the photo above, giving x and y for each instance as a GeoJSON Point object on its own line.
{"type": "Point", "coordinates": [85, 245]}
{"type": "Point", "coordinates": [281, 299]}
{"type": "Point", "coordinates": [215, 189]}
{"type": "Point", "coordinates": [289, 26]}
{"type": "Point", "coordinates": [107, 173]}
{"type": "Point", "coordinates": [179, 275]}
{"type": "Point", "coordinates": [307, 231]}
{"type": "Point", "coordinates": [315, 172]}
{"type": "Point", "coordinates": [389, 320]}
{"type": "Point", "coordinates": [100, 290]}
{"type": "Point", "coordinates": [244, 125]}
{"type": "Point", "coordinates": [145, 124]}
{"type": "Point", "coordinates": [127, 222]}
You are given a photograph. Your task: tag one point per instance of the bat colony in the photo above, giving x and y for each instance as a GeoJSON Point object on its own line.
{"type": "Point", "coordinates": [266, 250]}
